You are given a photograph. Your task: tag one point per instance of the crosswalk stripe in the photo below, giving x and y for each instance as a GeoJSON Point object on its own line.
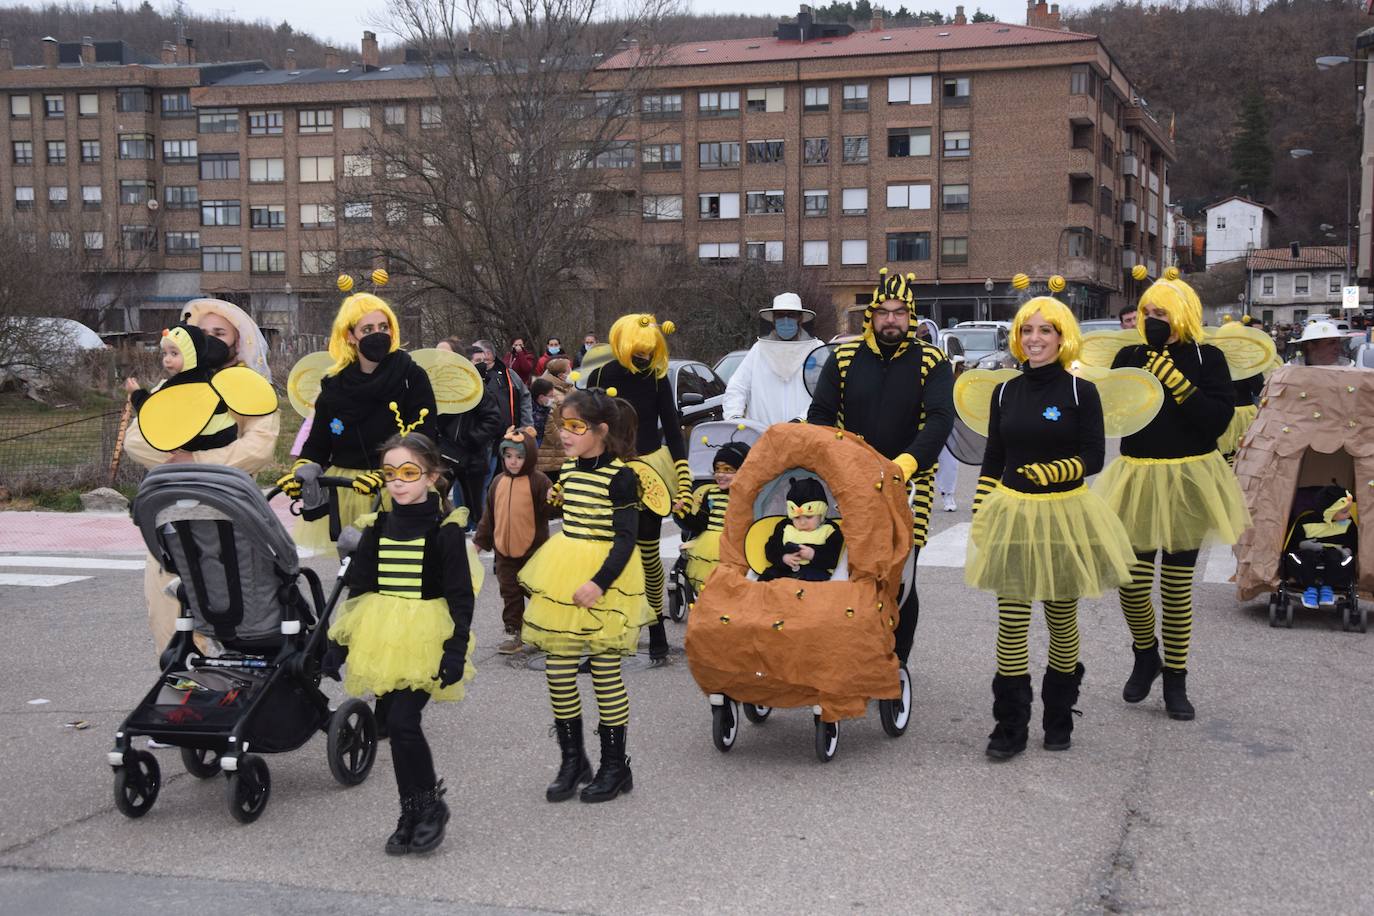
{"type": "Point", "coordinates": [38, 581]}
{"type": "Point", "coordinates": [37, 562]}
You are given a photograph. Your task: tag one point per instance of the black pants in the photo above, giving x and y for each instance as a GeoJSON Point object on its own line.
{"type": "Point", "coordinates": [1337, 573]}
{"type": "Point", "coordinates": [410, 755]}
{"type": "Point", "coordinates": [473, 495]}
{"type": "Point", "coordinates": [911, 612]}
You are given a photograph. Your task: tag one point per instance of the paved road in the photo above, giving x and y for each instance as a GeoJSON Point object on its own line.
{"type": "Point", "coordinates": [1262, 805]}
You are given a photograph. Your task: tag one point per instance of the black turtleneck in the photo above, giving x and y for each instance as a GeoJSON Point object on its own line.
{"type": "Point", "coordinates": [353, 417]}
{"type": "Point", "coordinates": [1043, 415]}
{"type": "Point", "coordinates": [652, 399]}
{"type": "Point", "coordinates": [1193, 427]}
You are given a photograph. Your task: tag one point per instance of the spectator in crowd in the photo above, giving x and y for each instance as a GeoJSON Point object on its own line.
{"type": "Point", "coordinates": [521, 360]}
{"type": "Point", "coordinates": [588, 341]}
{"type": "Point", "coordinates": [552, 350]}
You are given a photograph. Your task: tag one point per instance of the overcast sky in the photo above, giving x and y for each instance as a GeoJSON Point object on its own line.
{"type": "Point", "coordinates": [343, 21]}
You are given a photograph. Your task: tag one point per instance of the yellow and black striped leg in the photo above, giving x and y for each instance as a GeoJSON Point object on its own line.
{"type": "Point", "coordinates": [1136, 605]}
{"type": "Point", "coordinates": [612, 701]}
{"type": "Point", "coordinates": [650, 530]}
{"type": "Point", "coordinates": [1061, 617]}
{"type": "Point", "coordinates": [1013, 639]}
{"type": "Point", "coordinates": [920, 508]}
{"type": "Point", "coordinates": [1176, 606]}
{"type": "Point", "coordinates": [561, 673]}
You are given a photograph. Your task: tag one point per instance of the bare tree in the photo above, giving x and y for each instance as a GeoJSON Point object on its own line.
{"type": "Point", "coordinates": [40, 280]}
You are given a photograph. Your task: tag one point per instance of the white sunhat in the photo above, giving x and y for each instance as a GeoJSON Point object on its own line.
{"type": "Point", "coordinates": [787, 302]}
{"type": "Point", "coordinates": [1320, 330]}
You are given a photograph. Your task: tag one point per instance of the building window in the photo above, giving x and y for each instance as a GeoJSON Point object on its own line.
{"type": "Point", "coordinates": [660, 107]}
{"type": "Point", "coordinates": [955, 91]}
{"type": "Point", "coordinates": [1082, 80]}
{"type": "Point", "coordinates": [1221, 222]}
{"type": "Point", "coordinates": [1081, 136]}
{"type": "Point", "coordinates": [267, 170]}
{"type": "Point", "coordinates": [88, 105]}
{"type": "Point", "coordinates": [221, 259]}
{"type": "Point", "coordinates": [854, 252]}
{"type": "Point", "coordinates": [763, 251]}
{"type": "Point", "coordinates": [23, 152]}
{"type": "Point", "coordinates": [718, 155]}
{"type": "Point", "coordinates": [219, 167]}
{"type": "Point", "coordinates": [1080, 189]}
{"type": "Point", "coordinates": [854, 201]}
{"type": "Point", "coordinates": [134, 100]}
{"type": "Point", "coordinates": [57, 197]}
{"type": "Point", "coordinates": [954, 198]}
{"type": "Point", "coordinates": [723, 251]}
{"type": "Point", "coordinates": [718, 105]}
{"type": "Point", "coordinates": [718, 206]}
{"type": "Point", "coordinates": [957, 144]}
{"type": "Point", "coordinates": [178, 151]}
{"type": "Point", "coordinates": [92, 196]}
{"type": "Point", "coordinates": [394, 169]}
{"type": "Point", "coordinates": [357, 118]}
{"type": "Point", "coordinates": [265, 123]}
{"type": "Point", "coordinates": [220, 213]}
{"type": "Point", "coordinates": [90, 150]}
{"type": "Point", "coordinates": [906, 142]}
{"type": "Point", "coordinates": [136, 192]}
{"type": "Point", "coordinates": [21, 106]}
{"type": "Point", "coordinates": [57, 152]}
{"type": "Point", "coordinates": [816, 151]}
{"type": "Point", "coordinates": [908, 246]}
{"type": "Point", "coordinates": [315, 121]}
{"type": "Point", "coordinates": [316, 216]}
{"type": "Point", "coordinates": [54, 106]}
{"type": "Point", "coordinates": [816, 98]}
{"type": "Point", "coordinates": [1334, 282]}
{"type": "Point", "coordinates": [357, 211]}
{"type": "Point", "coordinates": [908, 196]}
{"type": "Point", "coordinates": [954, 251]}
{"type": "Point", "coordinates": [181, 197]}
{"type": "Point", "coordinates": [94, 241]}
{"type": "Point", "coordinates": [1104, 200]}
{"type": "Point", "coordinates": [855, 97]}
{"type": "Point", "coordinates": [855, 150]}
{"type": "Point", "coordinates": [661, 208]}
{"type": "Point", "coordinates": [317, 262]}
{"type": "Point", "coordinates": [1267, 285]}
{"type": "Point", "coordinates": [618, 154]}
{"type": "Point", "coordinates": [1108, 153]}
{"type": "Point", "coordinates": [394, 117]}
{"type": "Point", "coordinates": [816, 253]}
{"type": "Point", "coordinates": [763, 151]}
{"type": "Point", "coordinates": [267, 262]}
{"type": "Point", "coordinates": [908, 90]}
{"type": "Point", "coordinates": [431, 116]}
{"type": "Point", "coordinates": [1302, 284]}
{"type": "Point", "coordinates": [760, 202]}
{"type": "Point", "coordinates": [217, 121]}
{"type": "Point", "coordinates": [177, 105]}
{"type": "Point", "coordinates": [23, 198]}
{"type": "Point", "coordinates": [136, 146]}
{"type": "Point", "coordinates": [666, 157]}
{"type": "Point", "coordinates": [357, 166]}
{"type": "Point", "coordinates": [267, 216]}
{"type": "Point", "coordinates": [181, 242]}
{"type": "Point", "coordinates": [765, 99]}
{"type": "Point", "coordinates": [815, 203]}
{"type": "Point", "coordinates": [138, 238]}
{"type": "Point", "coordinates": [1104, 250]}
{"type": "Point", "coordinates": [59, 241]}
{"type": "Point", "coordinates": [316, 168]}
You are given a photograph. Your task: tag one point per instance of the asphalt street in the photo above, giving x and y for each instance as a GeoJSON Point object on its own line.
{"type": "Point", "coordinates": [1264, 804]}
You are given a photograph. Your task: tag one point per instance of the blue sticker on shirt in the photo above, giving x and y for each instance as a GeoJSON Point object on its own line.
{"type": "Point", "coordinates": [1051, 413]}
{"type": "Point", "coordinates": [336, 426]}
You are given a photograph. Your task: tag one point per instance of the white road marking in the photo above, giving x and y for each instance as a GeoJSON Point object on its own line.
{"type": "Point", "coordinates": [37, 562]}
{"type": "Point", "coordinates": [38, 581]}
{"type": "Point", "coordinates": [1220, 566]}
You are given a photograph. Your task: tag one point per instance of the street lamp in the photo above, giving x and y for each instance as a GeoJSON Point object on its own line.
{"type": "Point", "coordinates": [1301, 153]}
{"type": "Point", "coordinates": [987, 286]}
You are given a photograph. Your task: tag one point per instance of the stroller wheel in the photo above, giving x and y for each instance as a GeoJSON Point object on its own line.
{"type": "Point", "coordinates": [1274, 609]}
{"type": "Point", "coordinates": [136, 784]}
{"type": "Point", "coordinates": [757, 714]}
{"type": "Point", "coordinates": [1354, 617]}
{"type": "Point", "coordinates": [725, 725]}
{"type": "Point", "coordinates": [897, 713]}
{"type": "Point", "coordinates": [248, 789]}
{"type": "Point", "coordinates": [677, 606]}
{"type": "Point", "coordinates": [352, 742]}
{"type": "Point", "coordinates": [202, 763]}
{"type": "Point", "coordinates": [827, 740]}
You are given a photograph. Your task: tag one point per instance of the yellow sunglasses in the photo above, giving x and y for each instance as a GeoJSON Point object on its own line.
{"type": "Point", "coordinates": [406, 473]}
{"type": "Point", "coordinates": [573, 425]}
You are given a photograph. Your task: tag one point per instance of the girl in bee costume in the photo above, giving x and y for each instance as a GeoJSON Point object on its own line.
{"type": "Point", "coordinates": [706, 521]}
{"type": "Point", "coordinates": [1171, 487]}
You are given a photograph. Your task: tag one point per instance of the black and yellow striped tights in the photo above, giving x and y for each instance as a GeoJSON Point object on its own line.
{"type": "Point", "coordinates": [612, 702]}
{"type": "Point", "coordinates": [650, 531]}
{"type": "Point", "coordinates": [1176, 600]}
{"type": "Point", "coordinates": [1013, 636]}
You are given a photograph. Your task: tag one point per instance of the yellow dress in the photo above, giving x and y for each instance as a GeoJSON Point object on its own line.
{"type": "Point", "coordinates": [703, 552]}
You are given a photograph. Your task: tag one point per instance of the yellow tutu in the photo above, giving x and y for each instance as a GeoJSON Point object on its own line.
{"type": "Point", "coordinates": [557, 625]}
{"type": "Point", "coordinates": [1235, 430]}
{"type": "Point", "coordinates": [396, 643]}
{"type": "Point", "coordinates": [1047, 546]}
{"type": "Point", "coordinates": [703, 554]}
{"type": "Point", "coordinates": [1175, 503]}
{"type": "Point", "coordinates": [315, 535]}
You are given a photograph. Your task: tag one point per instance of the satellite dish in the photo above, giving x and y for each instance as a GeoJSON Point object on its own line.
{"type": "Point", "coordinates": [152, 203]}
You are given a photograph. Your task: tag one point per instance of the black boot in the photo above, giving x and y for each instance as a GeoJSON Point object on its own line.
{"type": "Point", "coordinates": [1176, 694]}
{"type": "Point", "coordinates": [1011, 707]}
{"type": "Point", "coordinates": [658, 644]}
{"type": "Point", "coordinates": [1059, 691]}
{"type": "Point", "coordinates": [430, 818]}
{"type": "Point", "coordinates": [398, 843]}
{"type": "Point", "coordinates": [613, 776]}
{"type": "Point", "coordinates": [575, 768]}
{"type": "Point", "coordinates": [1147, 667]}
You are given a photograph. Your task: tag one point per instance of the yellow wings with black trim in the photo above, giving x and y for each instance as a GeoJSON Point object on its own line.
{"type": "Point", "coordinates": [456, 382]}
{"type": "Point", "coordinates": [303, 385]}
{"type": "Point", "coordinates": [1248, 351]}
{"type": "Point", "coordinates": [173, 416]}
{"type": "Point", "coordinates": [973, 395]}
{"type": "Point", "coordinates": [1130, 397]}
{"type": "Point", "coordinates": [654, 494]}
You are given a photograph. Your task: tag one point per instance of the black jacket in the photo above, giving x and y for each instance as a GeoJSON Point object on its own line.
{"type": "Point", "coordinates": [652, 398]}
{"type": "Point", "coordinates": [506, 392]}
{"type": "Point", "coordinates": [465, 439]}
{"type": "Point", "coordinates": [1193, 427]}
{"type": "Point", "coordinates": [353, 415]}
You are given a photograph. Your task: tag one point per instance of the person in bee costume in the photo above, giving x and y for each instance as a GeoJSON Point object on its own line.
{"type": "Point", "coordinates": [1171, 487]}
{"type": "Point", "coordinates": [897, 393]}
{"type": "Point", "coordinates": [638, 373]}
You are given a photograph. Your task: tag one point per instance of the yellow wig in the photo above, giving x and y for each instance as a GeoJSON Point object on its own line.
{"type": "Point", "coordinates": [640, 333]}
{"type": "Point", "coordinates": [344, 351]}
{"type": "Point", "coordinates": [1060, 318]}
{"type": "Point", "coordinates": [1179, 302]}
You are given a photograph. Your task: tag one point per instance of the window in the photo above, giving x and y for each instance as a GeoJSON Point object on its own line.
{"type": "Point", "coordinates": [136, 146]}
{"type": "Point", "coordinates": [1104, 200]}
{"type": "Point", "coordinates": [1221, 222]}
{"type": "Point", "coordinates": [957, 144]}
{"type": "Point", "coordinates": [267, 170]}
{"type": "Point", "coordinates": [21, 106]}
{"type": "Point", "coordinates": [1334, 282]}
{"type": "Point", "coordinates": [854, 201]}
{"type": "Point", "coordinates": [178, 151]}
{"type": "Point", "coordinates": [816, 98]}
{"type": "Point", "coordinates": [763, 151]}
{"type": "Point", "coordinates": [718, 206]}
{"type": "Point", "coordinates": [666, 157]}
{"type": "Point", "coordinates": [92, 196]}
{"type": "Point", "coordinates": [134, 100]}
{"type": "Point", "coordinates": [619, 154]}
{"type": "Point", "coordinates": [815, 203]}
{"type": "Point", "coordinates": [908, 246]}
{"type": "Point", "coordinates": [88, 105]}
{"type": "Point", "coordinates": [177, 105]}
{"type": "Point", "coordinates": [1082, 80]}
{"type": "Point", "coordinates": [357, 211]}
{"type": "Point", "coordinates": [660, 107]}
{"type": "Point", "coordinates": [90, 150]}
{"type": "Point", "coordinates": [765, 99]}
{"type": "Point", "coordinates": [816, 151]}
{"type": "Point", "coordinates": [908, 90]}
{"type": "Point", "coordinates": [23, 152]}
{"type": "Point", "coordinates": [718, 105]}
{"type": "Point", "coordinates": [1267, 285]}
{"type": "Point", "coordinates": [1302, 284]}
{"type": "Point", "coordinates": [94, 241]}
{"type": "Point", "coordinates": [855, 97]}
{"type": "Point", "coordinates": [181, 242]}
{"type": "Point", "coordinates": [1108, 153]}
{"type": "Point", "coordinates": [1080, 243]}
{"type": "Point", "coordinates": [394, 169]}
{"type": "Point", "coordinates": [357, 118]}
{"type": "Point", "coordinates": [763, 251]}
{"type": "Point", "coordinates": [661, 208]}
{"type": "Point", "coordinates": [220, 213]}
{"type": "Point", "coordinates": [217, 121]}
{"type": "Point", "coordinates": [315, 216]}
{"type": "Point", "coordinates": [222, 259]}
{"type": "Point", "coordinates": [908, 196]}
{"type": "Point", "coordinates": [855, 150]}
{"type": "Point", "coordinates": [854, 251]}
{"type": "Point", "coordinates": [955, 91]}
{"type": "Point", "coordinates": [906, 142]}
{"type": "Point", "coordinates": [954, 198]}
{"type": "Point", "coordinates": [265, 123]}
{"type": "Point", "coordinates": [394, 213]}
{"type": "Point", "coordinates": [758, 202]}
{"type": "Point", "coordinates": [1104, 250]}
{"type": "Point", "coordinates": [23, 198]}
{"type": "Point", "coordinates": [954, 251]}
{"type": "Point", "coordinates": [316, 168]}
{"type": "Point", "coordinates": [181, 197]}
{"type": "Point", "coordinates": [138, 238]}
{"type": "Point", "coordinates": [724, 251]}
{"type": "Point", "coordinates": [1080, 189]}
{"type": "Point", "coordinates": [57, 152]}
{"type": "Point", "coordinates": [267, 262]}
{"type": "Point", "coordinates": [1081, 136]}
{"type": "Point", "coordinates": [815, 254]}
{"type": "Point", "coordinates": [315, 121]}
{"type": "Point", "coordinates": [57, 197]}
{"type": "Point", "coordinates": [54, 106]}
{"type": "Point", "coordinates": [60, 241]}
{"type": "Point", "coordinates": [718, 155]}
{"type": "Point", "coordinates": [219, 166]}
{"type": "Point", "coordinates": [136, 192]}
{"type": "Point", "coordinates": [394, 117]}
{"type": "Point", "coordinates": [357, 166]}
{"type": "Point", "coordinates": [267, 216]}
{"type": "Point", "coordinates": [431, 116]}
{"type": "Point", "coordinates": [317, 262]}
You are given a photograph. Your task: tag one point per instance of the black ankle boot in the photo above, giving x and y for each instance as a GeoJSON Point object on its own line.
{"type": "Point", "coordinates": [430, 818]}
{"type": "Point", "coordinates": [1147, 668]}
{"type": "Point", "coordinates": [658, 644]}
{"type": "Point", "coordinates": [398, 843]}
{"type": "Point", "coordinates": [575, 768]}
{"type": "Point", "coordinates": [613, 776]}
{"type": "Point", "coordinates": [1059, 692]}
{"type": "Point", "coordinates": [1011, 707]}
{"type": "Point", "coordinates": [1176, 694]}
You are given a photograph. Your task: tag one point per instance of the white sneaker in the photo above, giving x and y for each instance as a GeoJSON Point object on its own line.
{"type": "Point", "coordinates": [949, 503]}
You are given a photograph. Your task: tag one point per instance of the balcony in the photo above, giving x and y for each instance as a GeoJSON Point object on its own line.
{"type": "Point", "coordinates": [1130, 164]}
{"type": "Point", "coordinates": [1130, 211]}
{"type": "Point", "coordinates": [1129, 258]}
{"type": "Point", "coordinates": [1154, 224]}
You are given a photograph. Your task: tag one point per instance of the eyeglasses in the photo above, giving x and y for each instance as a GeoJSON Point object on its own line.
{"type": "Point", "coordinates": [406, 473]}
{"type": "Point", "coordinates": [573, 425]}
{"type": "Point", "coordinates": [889, 313]}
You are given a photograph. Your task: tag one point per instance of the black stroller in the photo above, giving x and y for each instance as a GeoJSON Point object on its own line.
{"type": "Point", "coordinates": [240, 586]}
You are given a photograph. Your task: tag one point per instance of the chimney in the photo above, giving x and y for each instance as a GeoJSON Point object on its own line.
{"type": "Point", "coordinates": [186, 51]}
{"type": "Point", "coordinates": [372, 58]}
{"type": "Point", "coordinates": [876, 23]}
{"type": "Point", "coordinates": [87, 50]}
{"type": "Point", "coordinates": [50, 52]}
{"type": "Point", "coordinates": [169, 52]}
{"type": "Point", "coordinates": [6, 55]}
{"type": "Point", "coordinates": [1039, 13]}
{"type": "Point", "coordinates": [331, 58]}
{"type": "Point", "coordinates": [291, 59]}
{"type": "Point", "coordinates": [959, 17]}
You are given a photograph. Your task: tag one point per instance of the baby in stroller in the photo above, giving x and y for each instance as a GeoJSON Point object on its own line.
{"type": "Point", "coordinates": [1321, 545]}
{"type": "Point", "coordinates": [805, 546]}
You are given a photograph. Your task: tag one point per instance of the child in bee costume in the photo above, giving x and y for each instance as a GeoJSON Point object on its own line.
{"type": "Point", "coordinates": [1171, 487]}
{"type": "Point", "coordinates": [706, 521]}
{"type": "Point", "coordinates": [198, 356]}
{"type": "Point", "coordinates": [805, 546]}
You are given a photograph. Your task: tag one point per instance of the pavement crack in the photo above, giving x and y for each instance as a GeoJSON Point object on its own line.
{"type": "Point", "coordinates": [1120, 869]}
{"type": "Point", "coordinates": [75, 822]}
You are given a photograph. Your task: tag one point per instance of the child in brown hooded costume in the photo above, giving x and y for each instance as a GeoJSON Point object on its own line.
{"type": "Point", "coordinates": [514, 524]}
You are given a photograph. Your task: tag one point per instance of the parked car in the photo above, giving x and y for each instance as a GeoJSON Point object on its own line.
{"type": "Point", "coordinates": [983, 347]}
{"type": "Point", "coordinates": [698, 391]}
{"type": "Point", "coordinates": [1099, 324]}
{"type": "Point", "coordinates": [727, 364]}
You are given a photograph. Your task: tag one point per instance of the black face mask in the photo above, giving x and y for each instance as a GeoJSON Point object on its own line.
{"type": "Point", "coordinates": [216, 354]}
{"type": "Point", "coordinates": [1157, 333]}
{"type": "Point", "coordinates": [641, 363]}
{"type": "Point", "coordinates": [376, 346]}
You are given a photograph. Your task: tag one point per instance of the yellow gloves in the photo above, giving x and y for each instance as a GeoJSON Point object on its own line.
{"type": "Point", "coordinates": [1061, 471]}
{"type": "Point", "coordinates": [908, 465]}
{"type": "Point", "coordinates": [289, 483]}
{"type": "Point", "coordinates": [368, 483]}
{"type": "Point", "coordinates": [1174, 381]}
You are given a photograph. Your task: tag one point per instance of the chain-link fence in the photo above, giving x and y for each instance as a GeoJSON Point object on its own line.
{"type": "Point", "coordinates": [62, 449]}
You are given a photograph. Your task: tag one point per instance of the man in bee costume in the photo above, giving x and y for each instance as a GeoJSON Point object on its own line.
{"type": "Point", "coordinates": [897, 392]}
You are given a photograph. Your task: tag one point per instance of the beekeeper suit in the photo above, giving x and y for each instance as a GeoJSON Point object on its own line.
{"type": "Point", "coordinates": [768, 386]}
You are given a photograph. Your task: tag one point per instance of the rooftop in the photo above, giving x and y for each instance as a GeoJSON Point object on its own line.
{"type": "Point", "coordinates": [1309, 257]}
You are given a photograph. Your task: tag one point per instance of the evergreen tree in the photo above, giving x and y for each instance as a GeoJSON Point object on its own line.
{"type": "Point", "coordinates": [1252, 158]}
{"type": "Point", "coordinates": [980, 16]}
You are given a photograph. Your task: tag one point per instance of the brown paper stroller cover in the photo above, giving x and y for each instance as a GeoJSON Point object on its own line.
{"type": "Point", "coordinates": [1328, 410]}
{"type": "Point", "coordinates": [789, 643]}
